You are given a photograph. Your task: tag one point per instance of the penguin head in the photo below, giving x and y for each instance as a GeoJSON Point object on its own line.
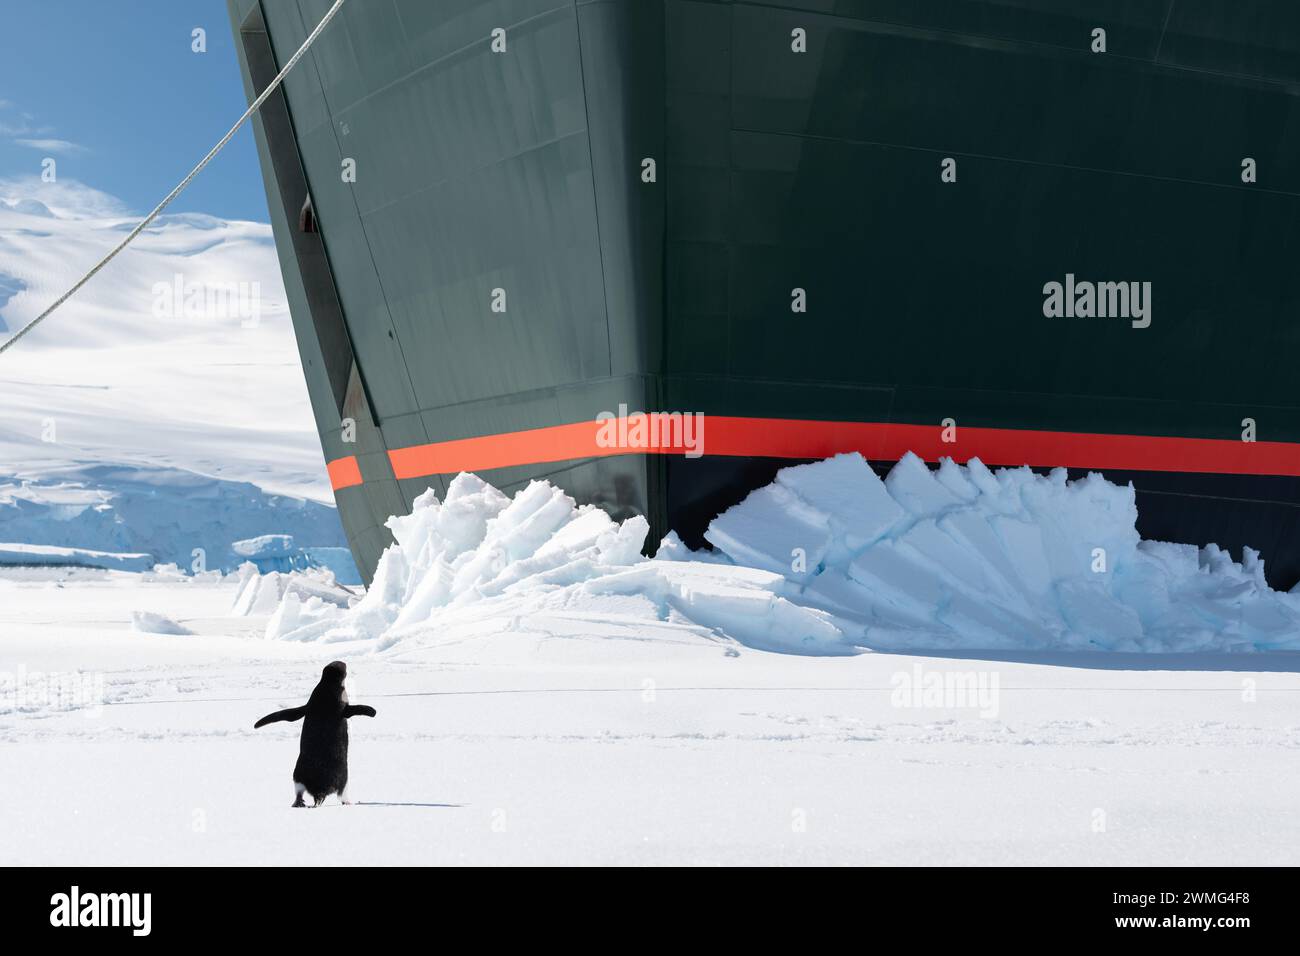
{"type": "Point", "coordinates": [335, 671]}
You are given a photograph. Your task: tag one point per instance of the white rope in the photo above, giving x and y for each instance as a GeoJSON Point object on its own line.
{"type": "Point", "coordinates": [257, 103]}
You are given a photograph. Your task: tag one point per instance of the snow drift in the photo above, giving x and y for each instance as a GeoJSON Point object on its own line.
{"type": "Point", "coordinates": [828, 559]}
{"type": "Point", "coordinates": [147, 622]}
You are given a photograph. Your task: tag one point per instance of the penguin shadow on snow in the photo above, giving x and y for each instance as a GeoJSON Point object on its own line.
{"type": "Point", "coordinates": [322, 767]}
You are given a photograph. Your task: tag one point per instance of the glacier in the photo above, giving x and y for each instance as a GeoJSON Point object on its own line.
{"type": "Point", "coordinates": [159, 515]}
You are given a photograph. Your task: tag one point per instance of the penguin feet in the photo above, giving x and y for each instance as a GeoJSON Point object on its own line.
{"type": "Point", "coordinates": [298, 790]}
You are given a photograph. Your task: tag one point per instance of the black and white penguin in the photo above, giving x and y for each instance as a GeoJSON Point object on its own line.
{"type": "Point", "coordinates": [322, 766]}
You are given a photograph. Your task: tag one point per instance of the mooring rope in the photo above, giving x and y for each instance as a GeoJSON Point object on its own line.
{"type": "Point", "coordinates": [144, 224]}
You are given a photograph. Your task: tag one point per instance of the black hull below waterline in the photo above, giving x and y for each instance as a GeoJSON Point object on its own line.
{"type": "Point", "coordinates": [845, 217]}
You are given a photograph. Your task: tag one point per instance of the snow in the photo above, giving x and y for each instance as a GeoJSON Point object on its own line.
{"type": "Point", "coordinates": [146, 622]}
{"type": "Point", "coordinates": [828, 559]}
{"type": "Point", "coordinates": [614, 741]}
{"type": "Point", "coordinates": [262, 593]}
{"type": "Point", "coordinates": [9, 287]}
{"type": "Point", "coordinates": [36, 554]}
{"type": "Point", "coordinates": [128, 376]}
{"type": "Point", "coordinates": [159, 410]}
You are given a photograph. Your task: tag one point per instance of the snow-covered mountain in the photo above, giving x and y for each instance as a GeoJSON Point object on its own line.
{"type": "Point", "coordinates": [178, 360]}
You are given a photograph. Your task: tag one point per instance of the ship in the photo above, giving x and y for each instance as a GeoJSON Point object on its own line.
{"type": "Point", "coordinates": [515, 234]}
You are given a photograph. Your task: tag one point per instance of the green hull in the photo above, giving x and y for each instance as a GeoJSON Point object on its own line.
{"type": "Point", "coordinates": [776, 170]}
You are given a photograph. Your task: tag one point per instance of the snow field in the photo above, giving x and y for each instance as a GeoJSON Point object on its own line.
{"type": "Point", "coordinates": [607, 741]}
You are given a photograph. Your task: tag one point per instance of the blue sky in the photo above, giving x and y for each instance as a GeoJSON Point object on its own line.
{"type": "Point", "coordinates": [113, 92]}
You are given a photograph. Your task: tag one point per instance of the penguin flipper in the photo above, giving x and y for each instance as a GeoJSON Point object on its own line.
{"type": "Point", "coordinates": [293, 713]}
{"type": "Point", "coordinates": [358, 710]}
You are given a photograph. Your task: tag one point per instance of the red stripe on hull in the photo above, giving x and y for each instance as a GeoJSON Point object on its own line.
{"type": "Point", "coordinates": [344, 472]}
{"type": "Point", "coordinates": [878, 441]}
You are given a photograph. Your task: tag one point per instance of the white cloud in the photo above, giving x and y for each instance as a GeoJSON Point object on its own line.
{"type": "Point", "coordinates": [24, 128]}
{"type": "Point", "coordinates": [23, 125]}
{"type": "Point", "coordinates": [52, 145]}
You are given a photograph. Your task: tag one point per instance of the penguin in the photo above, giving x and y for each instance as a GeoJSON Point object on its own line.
{"type": "Point", "coordinates": [322, 766]}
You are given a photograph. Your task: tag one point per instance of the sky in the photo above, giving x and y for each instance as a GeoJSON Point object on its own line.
{"type": "Point", "coordinates": [113, 92]}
